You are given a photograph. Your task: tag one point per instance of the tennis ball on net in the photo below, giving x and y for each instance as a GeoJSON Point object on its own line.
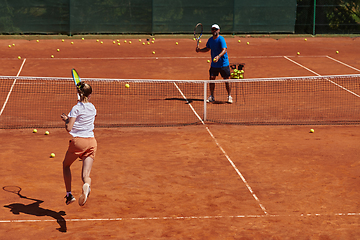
{"type": "Point", "coordinates": [47, 133]}
{"type": "Point", "coordinates": [52, 155]}
{"type": "Point", "coordinates": [35, 131]}
{"type": "Point", "coordinates": [127, 85]}
{"type": "Point", "coordinates": [312, 130]}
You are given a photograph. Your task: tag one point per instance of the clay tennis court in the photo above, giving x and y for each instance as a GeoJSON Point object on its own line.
{"type": "Point", "coordinates": [205, 181]}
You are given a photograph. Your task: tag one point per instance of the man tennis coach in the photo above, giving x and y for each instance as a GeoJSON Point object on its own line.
{"type": "Point", "coordinates": [220, 61]}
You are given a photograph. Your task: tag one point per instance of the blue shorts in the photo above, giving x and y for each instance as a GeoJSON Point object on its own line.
{"type": "Point", "coordinates": [224, 72]}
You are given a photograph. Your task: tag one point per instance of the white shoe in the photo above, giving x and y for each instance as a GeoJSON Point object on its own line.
{"type": "Point", "coordinates": [85, 194]}
{"type": "Point", "coordinates": [230, 100]}
{"type": "Point", "coordinates": [210, 99]}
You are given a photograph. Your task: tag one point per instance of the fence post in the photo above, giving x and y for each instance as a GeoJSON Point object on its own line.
{"type": "Point", "coordinates": [314, 21]}
{"type": "Point", "coordinates": [205, 95]}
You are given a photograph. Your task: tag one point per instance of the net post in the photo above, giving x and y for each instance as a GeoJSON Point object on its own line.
{"type": "Point", "coordinates": [314, 19]}
{"type": "Point", "coordinates": [205, 92]}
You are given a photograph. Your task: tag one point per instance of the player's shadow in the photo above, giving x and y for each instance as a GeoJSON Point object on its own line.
{"type": "Point", "coordinates": [35, 210]}
{"type": "Point", "coordinates": [186, 100]}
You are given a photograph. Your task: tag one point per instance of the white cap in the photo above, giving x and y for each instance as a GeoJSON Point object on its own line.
{"type": "Point", "coordinates": [215, 26]}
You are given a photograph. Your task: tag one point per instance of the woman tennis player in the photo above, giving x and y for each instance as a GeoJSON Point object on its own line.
{"type": "Point", "coordinates": [80, 124]}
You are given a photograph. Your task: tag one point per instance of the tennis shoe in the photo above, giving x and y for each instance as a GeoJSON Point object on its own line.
{"type": "Point", "coordinates": [229, 99]}
{"type": "Point", "coordinates": [85, 194]}
{"type": "Point", "coordinates": [210, 99]}
{"type": "Point", "coordinates": [69, 199]}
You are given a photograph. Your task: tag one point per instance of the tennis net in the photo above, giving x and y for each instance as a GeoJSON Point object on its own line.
{"type": "Point", "coordinates": [35, 102]}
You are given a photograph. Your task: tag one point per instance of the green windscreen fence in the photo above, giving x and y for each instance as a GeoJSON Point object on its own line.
{"type": "Point", "coordinates": [146, 16]}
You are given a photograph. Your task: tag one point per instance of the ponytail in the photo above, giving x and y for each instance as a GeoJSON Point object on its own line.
{"type": "Point", "coordinates": [84, 91]}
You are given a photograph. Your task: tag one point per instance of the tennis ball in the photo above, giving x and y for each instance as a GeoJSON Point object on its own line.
{"type": "Point", "coordinates": [9, 46]}
{"type": "Point", "coordinates": [52, 155]}
{"type": "Point", "coordinates": [153, 52]}
{"type": "Point", "coordinates": [143, 43]}
{"type": "Point", "coordinates": [58, 50]}
{"type": "Point", "coordinates": [247, 43]}
{"type": "Point", "coordinates": [239, 40]}
{"type": "Point", "coordinates": [139, 40]}
{"type": "Point", "coordinates": [97, 40]}
{"type": "Point", "coordinates": [148, 43]}
{"type": "Point", "coordinates": [82, 38]}
{"type": "Point", "coordinates": [101, 42]}
{"type": "Point", "coordinates": [305, 39]}
{"type": "Point", "coordinates": [199, 41]}
{"type": "Point", "coordinates": [113, 42]}
{"type": "Point", "coordinates": [129, 42]}
{"type": "Point", "coordinates": [127, 85]}
{"type": "Point", "coordinates": [52, 56]}
{"type": "Point", "coordinates": [176, 43]}
{"type": "Point", "coordinates": [153, 41]}
{"type": "Point", "coordinates": [35, 131]}
{"type": "Point", "coordinates": [72, 42]}
{"type": "Point", "coordinates": [19, 57]}
{"type": "Point", "coordinates": [118, 40]}
{"type": "Point", "coordinates": [312, 130]}
{"type": "Point", "coordinates": [37, 41]}
{"type": "Point", "coordinates": [208, 61]}
{"type": "Point", "coordinates": [119, 44]}
{"type": "Point", "coordinates": [47, 133]}
{"type": "Point", "coordinates": [214, 59]}
{"type": "Point", "coordinates": [337, 52]}
{"type": "Point", "coordinates": [62, 40]}
{"type": "Point", "coordinates": [124, 41]}
{"type": "Point", "coordinates": [14, 44]}
{"type": "Point", "coordinates": [298, 53]}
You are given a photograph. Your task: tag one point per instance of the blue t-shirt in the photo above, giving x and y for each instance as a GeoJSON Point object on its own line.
{"type": "Point", "coordinates": [216, 46]}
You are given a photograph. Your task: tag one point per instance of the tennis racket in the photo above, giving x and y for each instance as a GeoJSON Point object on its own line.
{"type": "Point", "coordinates": [198, 31]}
{"type": "Point", "coordinates": [13, 189]}
{"type": "Point", "coordinates": [77, 80]}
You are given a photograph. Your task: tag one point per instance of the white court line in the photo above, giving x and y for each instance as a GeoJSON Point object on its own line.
{"type": "Point", "coordinates": [182, 218]}
{"type": "Point", "coordinates": [12, 86]}
{"type": "Point", "coordinates": [357, 95]}
{"type": "Point", "coordinates": [226, 155]}
{"type": "Point", "coordinates": [343, 63]}
{"type": "Point", "coordinates": [151, 58]}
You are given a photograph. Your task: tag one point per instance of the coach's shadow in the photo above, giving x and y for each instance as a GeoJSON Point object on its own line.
{"type": "Point", "coordinates": [35, 210]}
{"type": "Point", "coordinates": [187, 101]}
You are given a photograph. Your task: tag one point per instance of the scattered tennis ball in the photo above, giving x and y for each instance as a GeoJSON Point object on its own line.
{"type": "Point", "coordinates": [152, 41]}
{"type": "Point", "coordinates": [194, 39]}
{"type": "Point", "coordinates": [52, 155]}
{"type": "Point", "coordinates": [101, 42]}
{"type": "Point", "coordinates": [199, 41]}
{"type": "Point", "coordinates": [83, 39]}
{"type": "Point", "coordinates": [35, 131]}
{"type": "Point", "coordinates": [37, 41]}
{"type": "Point", "coordinates": [208, 61]}
{"type": "Point", "coordinates": [14, 44]}
{"type": "Point", "coordinates": [97, 40]}
{"type": "Point", "coordinates": [143, 43]}
{"type": "Point", "coordinates": [9, 46]}
{"type": "Point", "coordinates": [305, 39]}
{"type": "Point", "coordinates": [176, 43]}
{"type": "Point", "coordinates": [139, 40]}
{"type": "Point", "coordinates": [153, 52]}
{"type": "Point", "coordinates": [113, 42]}
{"type": "Point", "coordinates": [62, 40]}
{"type": "Point", "coordinates": [58, 50]}
{"type": "Point", "coordinates": [72, 42]}
{"type": "Point", "coordinates": [239, 40]}
{"type": "Point", "coordinates": [148, 43]}
{"type": "Point", "coordinates": [19, 57]}
{"type": "Point", "coordinates": [337, 52]}
{"type": "Point", "coordinates": [312, 130]}
{"type": "Point", "coordinates": [298, 53]}
{"type": "Point", "coordinates": [247, 43]}
{"type": "Point", "coordinates": [52, 56]}
{"type": "Point", "coordinates": [129, 42]}
{"type": "Point", "coordinates": [47, 133]}
{"type": "Point", "coordinates": [127, 85]}
{"type": "Point", "coordinates": [118, 40]}
{"type": "Point", "coordinates": [119, 44]}
{"type": "Point", "coordinates": [124, 41]}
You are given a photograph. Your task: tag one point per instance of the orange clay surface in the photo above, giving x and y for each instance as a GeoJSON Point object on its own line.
{"type": "Point", "coordinates": [239, 182]}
